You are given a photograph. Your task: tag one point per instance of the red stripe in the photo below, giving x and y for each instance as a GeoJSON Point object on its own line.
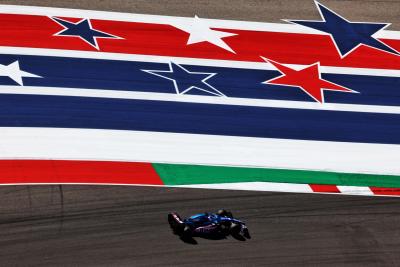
{"type": "Point", "coordinates": [385, 191]}
{"type": "Point", "coordinates": [68, 171]}
{"type": "Point", "coordinates": [165, 40]}
{"type": "Point", "coordinates": [318, 188]}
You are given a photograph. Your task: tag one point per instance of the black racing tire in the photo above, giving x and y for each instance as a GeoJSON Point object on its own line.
{"type": "Point", "coordinates": [246, 233]}
{"type": "Point", "coordinates": [186, 232]}
{"type": "Point", "coordinates": [235, 228]}
{"type": "Point", "coordinates": [225, 228]}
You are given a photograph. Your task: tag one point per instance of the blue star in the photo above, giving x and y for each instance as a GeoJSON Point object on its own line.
{"type": "Point", "coordinates": [82, 29]}
{"type": "Point", "coordinates": [347, 35]}
{"type": "Point", "coordinates": [184, 81]}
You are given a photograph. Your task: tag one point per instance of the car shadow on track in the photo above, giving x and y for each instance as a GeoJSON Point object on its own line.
{"type": "Point", "coordinates": [190, 240]}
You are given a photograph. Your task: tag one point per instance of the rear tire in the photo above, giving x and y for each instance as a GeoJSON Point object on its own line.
{"type": "Point", "coordinates": [186, 232]}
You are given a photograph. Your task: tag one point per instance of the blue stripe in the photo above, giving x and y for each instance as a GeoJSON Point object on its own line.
{"type": "Point", "coordinates": [233, 82]}
{"type": "Point", "coordinates": [142, 115]}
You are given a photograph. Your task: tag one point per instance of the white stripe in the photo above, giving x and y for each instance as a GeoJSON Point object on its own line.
{"type": "Point", "coordinates": [89, 144]}
{"type": "Point", "coordinates": [157, 19]}
{"type": "Point", "coordinates": [189, 61]}
{"type": "Point", "coordinates": [78, 92]}
{"type": "Point", "coordinates": [355, 190]}
{"type": "Point", "coordinates": [250, 186]}
{"type": "Point", "coordinates": [281, 187]}
{"type": "Point", "coordinates": [255, 186]}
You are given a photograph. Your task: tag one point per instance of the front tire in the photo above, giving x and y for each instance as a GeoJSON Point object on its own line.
{"type": "Point", "coordinates": [235, 229]}
{"type": "Point", "coordinates": [246, 233]}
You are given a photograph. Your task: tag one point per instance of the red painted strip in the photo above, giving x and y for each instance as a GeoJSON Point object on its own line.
{"type": "Point", "coordinates": [318, 188]}
{"type": "Point", "coordinates": [386, 191]}
{"type": "Point", "coordinates": [164, 40]}
{"type": "Point", "coordinates": [68, 171]}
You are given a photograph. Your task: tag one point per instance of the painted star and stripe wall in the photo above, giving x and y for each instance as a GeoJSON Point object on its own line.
{"type": "Point", "coordinates": [114, 98]}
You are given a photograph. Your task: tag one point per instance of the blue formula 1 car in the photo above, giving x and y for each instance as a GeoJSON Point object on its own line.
{"type": "Point", "coordinates": [209, 225]}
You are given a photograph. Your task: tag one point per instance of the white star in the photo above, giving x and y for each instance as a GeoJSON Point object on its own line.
{"type": "Point", "coordinates": [184, 81]}
{"type": "Point", "coordinates": [200, 32]}
{"type": "Point", "coordinates": [14, 72]}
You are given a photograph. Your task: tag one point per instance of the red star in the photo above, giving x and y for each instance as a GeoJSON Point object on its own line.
{"type": "Point", "coordinates": [307, 79]}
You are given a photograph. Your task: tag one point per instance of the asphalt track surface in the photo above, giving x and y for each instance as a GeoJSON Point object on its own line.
{"type": "Point", "coordinates": [126, 226]}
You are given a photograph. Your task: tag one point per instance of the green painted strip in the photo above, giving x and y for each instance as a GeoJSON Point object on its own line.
{"type": "Point", "coordinates": [177, 174]}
